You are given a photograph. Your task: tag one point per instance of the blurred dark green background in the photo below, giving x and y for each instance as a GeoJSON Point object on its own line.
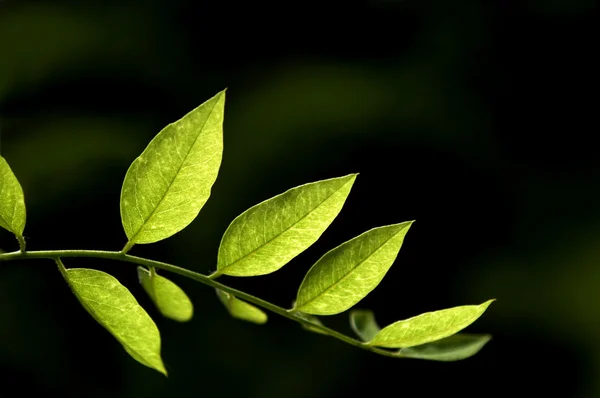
{"type": "Point", "coordinates": [476, 119]}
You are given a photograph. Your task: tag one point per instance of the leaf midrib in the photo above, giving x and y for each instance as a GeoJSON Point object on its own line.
{"type": "Point", "coordinates": [347, 274]}
{"type": "Point", "coordinates": [141, 228]}
{"type": "Point", "coordinates": [253, 252]}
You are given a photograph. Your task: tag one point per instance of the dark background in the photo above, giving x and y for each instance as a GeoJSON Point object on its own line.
{"type": "Point", "coordinates": [476, 119]}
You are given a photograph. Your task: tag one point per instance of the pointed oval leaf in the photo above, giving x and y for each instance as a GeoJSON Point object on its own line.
{"type": "Point", "coordinates": [242, 310]}
{"type": "Point", "coordinates": [346, 274]}
{"type": "Point", "coordinates": [167, 185]}
{"type": "Point", "coordinates": [453, 348]}
{"type": "Point", "coordinates": [12, 201]}
{"type": "Point", "coordinates": [268, 235]}
{"type": "Point", "coordinates": [428, 327]}
{"type": "Point", "coordinates": [171, 301]}
{"type": "Point", "coordinates": [364, 325]}
{"type": "Point", "coordinates": [114, 307]}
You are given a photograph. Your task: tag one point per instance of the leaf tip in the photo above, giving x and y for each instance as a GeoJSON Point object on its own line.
{"type": "Point", "coordinates": [163, 370]}
{"type": "Point", "coordinates": [488, 303]}
{"type": "Point", "coordinates": [350, 178]}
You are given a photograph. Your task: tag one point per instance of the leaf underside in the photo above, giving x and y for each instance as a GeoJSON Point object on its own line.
{"type": "Point", "coordinates": [347, 273]}
{"type": "Point", "coordinates": [453, 348]}
{"type": "Point", "coordinates": [170, 299]}
{"type": "Point", "coordinates": [12, 201]}
{"type": "Point", "coordinates": [428, 327]}
{"type": "Point", "coordinates": [168, 184]}
{"type": "Point", "coordinates": [242, 310]}
{"type": "Point", "coordinates": [114, 307]}
{"type": "Point", "coordinates": [363, 324]}
{"type": "Point", "coordinates": [312, 319]}
{"type": "Point", "coordinates": [268, 235]}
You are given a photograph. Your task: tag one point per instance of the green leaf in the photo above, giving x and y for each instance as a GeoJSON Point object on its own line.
{"type": "Point", "coordinates": [170, 300]}
{"type": "Point", "coordinates": [12, 201]}
{"type": "Point", "coordinates": [363, 323]}
{"type": "Point", "coordinates": [310, 318]}
{"type": "Point", "coordinates": [115, 308]}
{"type": "Point", "coordinates": [453, 348]}
{"type": "Point", "coordinates": [242, 310]}
{"type": "Point", "coordinates": [346, 274]}
{"type": "Point", "coordinates": [268, 235]}
{"type": "Point", "coordinates": [167, 185]}
{"type": "Point", "coordinates": [428, 327]}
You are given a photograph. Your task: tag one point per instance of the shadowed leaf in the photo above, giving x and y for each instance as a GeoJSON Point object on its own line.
{"type": "Point", "coordinates": [363, 323]}
{"type": "Point", "coordinates": [171, 301]}
{"type": "Point", "coordinates": [453, 348]}
{"type": "Point", "coordinates": [312, 319]}
{"type": "Point", "coordinates": [242, 310]}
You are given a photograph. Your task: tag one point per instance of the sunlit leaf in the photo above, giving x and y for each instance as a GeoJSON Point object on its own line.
{"type": "Point", "coordinates": [346, 274]}
{"type": "Point", "coordinates": [453, 348]}
{"type": "Point", "coordinates": [363, 323]}
{"type": "Point", "coordinates": [242, 310]}
{"type": "Point", "coordinates": [167, 185]}
{"type": "Point", "coordinates": [12, 201]}
{"type": "Point", "coordinates": [115, 308]}
{"type": "Point", "coordinates": [170, 300]}
{"type": "Point", "coordinates": [428, 327]}
{"type": "Point", "coordinates": [268, 235]}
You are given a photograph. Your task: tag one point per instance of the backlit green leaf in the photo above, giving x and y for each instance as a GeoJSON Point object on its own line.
{"type": "Point", "coordinates": [241, 309]}
{"type": "Point", "coordinates": [115, 308]}
{"type": "Point", "coordinates": [12, 201]}
{"type": "Point", "coordinates": [346, 274]}
{"type": "Point", "coordinates": [167, 185]}
{"type": "Point", "coordinates": [170, 300]}
{"type": "Point", "coordinates": [268, 235]}
{"type": "Point", "coordinates": [453, 348]}
{"type": "Point", "coordinates": [428, 327]}
{"type": "Point", "coordinates": [363, 323]}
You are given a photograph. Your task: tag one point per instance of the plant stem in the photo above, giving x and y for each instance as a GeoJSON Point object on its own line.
{"type": "Point", "coordinates": [127, 247]}
{"type": "Point", "coordinates": [215, 275]}
{"type": "Point", "coordinates": [121, 256]}
{"type": "Point", "coordinates": [21, 243]}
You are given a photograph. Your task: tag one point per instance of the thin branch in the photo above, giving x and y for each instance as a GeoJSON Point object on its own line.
{"type": "Point", "coordinates": [207, 280]}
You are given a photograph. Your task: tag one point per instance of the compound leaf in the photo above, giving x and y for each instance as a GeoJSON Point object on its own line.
{"type": "Point", "coordinates": [346, 274]}
{"type": "Point", "coordinates": [453, 348]}
{"type": "Point", "coordinates": [268, 235]}
{"type": "Point", "coordinates": [242, 310]}
{"type": "Point", "coordinates": [12, 201]}
{"type": "Point", "coordinates": [115, 308]}
{"type": "Point", "coordinates": [428, 327]}
{"type": "Point", "coordinates": [363, 324]}
{"type": "Point", "coordinates": [167, 185]}
{"type": "Point", "coordinates": [171, 301]}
